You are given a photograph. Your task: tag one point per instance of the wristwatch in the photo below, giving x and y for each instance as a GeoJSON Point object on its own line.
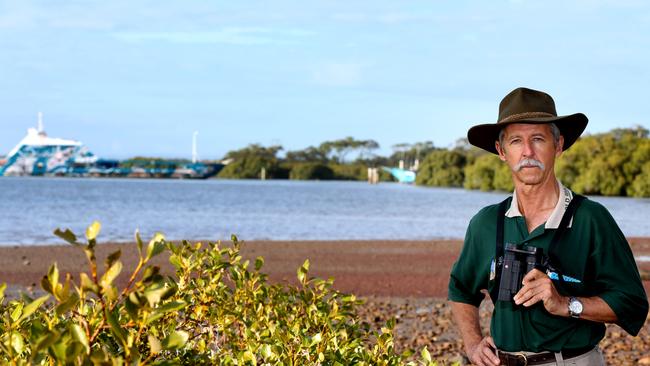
{"type": "Point", "coordinates": [575, 307]}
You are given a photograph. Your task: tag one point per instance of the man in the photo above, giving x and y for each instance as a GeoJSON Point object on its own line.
{"type": "Point", "coordinates": [588, 275]}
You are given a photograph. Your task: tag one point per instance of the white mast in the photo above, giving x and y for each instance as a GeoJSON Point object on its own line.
{"type": "Point", "coordinates": [40, 122]}
{"type": "Point", "coordinates": [194, 152]}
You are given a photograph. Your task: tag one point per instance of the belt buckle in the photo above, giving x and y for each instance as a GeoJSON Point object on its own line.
{"type": "Point", "coordinates": [522, 355]}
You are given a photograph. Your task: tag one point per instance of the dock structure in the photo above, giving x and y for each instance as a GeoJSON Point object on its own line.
{"type": "Point", "coordinates": [402, 175]}
{"type": "Point", "coordinates": [373, 175]}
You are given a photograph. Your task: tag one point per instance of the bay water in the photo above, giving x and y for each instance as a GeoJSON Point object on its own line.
{"type": "Point", "coordinates": [32, 207]}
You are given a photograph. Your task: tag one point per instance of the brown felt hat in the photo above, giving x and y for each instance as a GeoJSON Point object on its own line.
{"type": "Point", "coordinates": [524, 105]}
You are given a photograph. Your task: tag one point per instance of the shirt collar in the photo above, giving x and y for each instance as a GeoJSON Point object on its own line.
{"type": "Point", "coordinates": [553, 221]}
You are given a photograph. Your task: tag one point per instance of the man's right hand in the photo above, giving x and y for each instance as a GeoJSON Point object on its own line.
{"type": "Point", "coordinates": [483, 353]}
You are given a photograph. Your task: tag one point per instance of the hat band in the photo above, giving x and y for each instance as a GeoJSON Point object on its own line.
{"type": "Point", "coordinates": [518, 116]}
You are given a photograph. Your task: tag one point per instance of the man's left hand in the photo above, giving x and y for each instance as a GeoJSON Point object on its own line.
{"type": "Point", "coordinates": [538, 287]}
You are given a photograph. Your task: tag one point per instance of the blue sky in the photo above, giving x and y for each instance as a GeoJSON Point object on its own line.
{"type": "Point", "coordinates": [138, 77]}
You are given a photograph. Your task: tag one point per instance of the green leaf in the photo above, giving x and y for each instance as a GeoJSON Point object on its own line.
{"type": "Point", "coordinates": [266, 351]}
{"type": "Point", "coordinates": [71, 302]}
{"type": "Point", "coordinates": [116, 328]}
{"type": "Point", "coordinates": [131, 307]}
{"type": "Point", "coordinates": [249, 357]}
{"type": "Point", "coordinates": [59, 349]}
{"type": "Point", "coordinates": [302, 271]}
{"type": "Point", "coordinates": [113, 257]}
{"type": "Point", "coordinates": [425, 354]}
{"type": "Point", "coordinates": [153, 317]}
{"type": "Point", "coordinates": [176, 363]}
{"type": "Point", "coordinates": [110, 292]}
{"type": "Point", "coordinates": [30, 308]}
{"type": "Point", "coordinates": [53, 276]}
{"type": "Point", "coordinates": [259, 262]}
{"type": "Point", "coordinates": [81, 337]}
{"type": "Point", "coordinates": [93, 230]}
{"type": "Point", "coordinates": [87, 284]}
{"type": "Point", "coordinates": [172, 306]}
{"type": "Point", "coordinates": [156, 246]}
{"type": "Point", "coordinates": [138, 241]}
{"type": "Point", "coordinates": [47, 340]}
{"type": "Point", "coordinates": [176, 261]}
{"type": "Point", "coordinates": [3, 287]}
{"type": "Point", "coordinates": [98, 356]}
{"type": "Point", "coordinates": [175, 340]}
{"type": "Point", "coordinates": [67, 235]}
{"type": "Point", "coordinates": [150, 274]}
{"type": "Point", "coordinates": [17, 342]}
{"type": "Point", "coordinates": [110, 275]}
{"type": "Point", "coordinates": [46, 285]}
{"type": "Point", "coordinates": [317, 338]}
{"type": "Point", "coordinates": [154, 344]}
{"type": "Point", "coordinates": [160, 311]}
{"type": "Point", "coordinates": [349, 298]}
{"type": "Point", "coordinates": [62, 293]}
{"type": "Point", "coordinates": [156, 292]}
{"type": "Point", "coordinates": [50, 281]}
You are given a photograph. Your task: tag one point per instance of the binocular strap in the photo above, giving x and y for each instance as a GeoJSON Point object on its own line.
{"type": "Point", "coordinates": [498, 257]}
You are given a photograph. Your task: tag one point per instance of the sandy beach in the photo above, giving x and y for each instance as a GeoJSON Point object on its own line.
{"type": "Point", "coordinates": [402, 279]}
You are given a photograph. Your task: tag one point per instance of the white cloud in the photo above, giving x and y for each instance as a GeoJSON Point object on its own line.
{"type": "Point", "coordinates": [27, 14]}
{"type": "Point", "coordinates": [469, 37]}
{"type": "Point", "coordinates": [17, 14]}
{"type": "Point", "coordinates": [231, 35]}
{"type": "Point", "coordinates": [338, 74]}
{"type": "Point", "coordinates": [385, 18]}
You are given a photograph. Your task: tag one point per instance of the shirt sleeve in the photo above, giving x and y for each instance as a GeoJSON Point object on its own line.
{"type": "Point", "coordinates": [617, 279]}
{"type": "Point", "coordinates": [469, 275]}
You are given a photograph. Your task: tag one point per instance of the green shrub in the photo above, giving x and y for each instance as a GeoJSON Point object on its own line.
{"type": "Point", "coordinates": [502, 180]}
{"type": "Point", "coordinates": [349, 171]}
{"type": "Point", "coordinates": [215, 310]}
{"type": "Point", "coordinates": [480, 174]}
{"type": "Point", "coordinates": [356, 171]}
{"type": "Point", "coordinates": [248, 167]}
{"type": "Point", "coordinates": [641, 184]}
{"type": "Point", "coordinates": [311, 171]}
{"type": "Point", "coordinates": [442, 168]}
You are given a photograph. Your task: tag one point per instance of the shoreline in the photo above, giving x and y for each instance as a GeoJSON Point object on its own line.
{"type": "Point", "coordinates": [365, 268]}
{"type": "Point", "coordinates": [385, 268]}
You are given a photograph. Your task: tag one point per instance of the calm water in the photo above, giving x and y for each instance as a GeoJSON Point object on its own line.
{"type": "Point", "coordinates": [33, 207]}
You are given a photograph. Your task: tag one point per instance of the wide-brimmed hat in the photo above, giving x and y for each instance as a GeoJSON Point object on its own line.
{"type": "Point", "coordinates": [524, 105]}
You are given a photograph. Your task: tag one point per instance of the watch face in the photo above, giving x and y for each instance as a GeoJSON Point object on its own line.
{"type": "Point", "coordinates": [575, 306]}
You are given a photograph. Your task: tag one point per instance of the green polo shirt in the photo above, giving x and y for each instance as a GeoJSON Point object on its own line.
{"type": "Point", "coordinates": [592, 251]}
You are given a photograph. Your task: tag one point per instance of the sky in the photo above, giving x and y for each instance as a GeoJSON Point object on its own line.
{"type": "Point", "coordinates": [137, 78]}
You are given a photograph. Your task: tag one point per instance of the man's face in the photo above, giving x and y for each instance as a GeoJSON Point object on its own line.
{"type": "Point", "coordinates": [530, 151]}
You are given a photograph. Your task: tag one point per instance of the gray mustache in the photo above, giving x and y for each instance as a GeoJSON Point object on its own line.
{"type": "Point", "coordinates": [528, 163]}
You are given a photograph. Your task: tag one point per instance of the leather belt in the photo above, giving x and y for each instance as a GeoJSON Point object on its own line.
{"type": "Point", "coordinates": [520, 359]}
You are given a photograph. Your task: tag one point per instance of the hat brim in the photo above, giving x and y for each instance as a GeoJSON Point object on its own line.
{"type": "Point", "coordinates": [570, 126]}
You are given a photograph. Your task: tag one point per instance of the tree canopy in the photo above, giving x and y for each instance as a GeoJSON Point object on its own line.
{"type": "Point", "coordinates": [616, 163]}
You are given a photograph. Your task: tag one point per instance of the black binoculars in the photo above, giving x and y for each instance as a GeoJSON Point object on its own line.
{"type": "Point", "coordinates": [515, 264]}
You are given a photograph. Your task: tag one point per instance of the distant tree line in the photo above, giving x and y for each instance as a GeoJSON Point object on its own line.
{"type": "Point", "coordinates": [151, 162]}
{"type": "Point", "coordinates": [616, 163]}
{"type": "Point", "coordinates": [328, 161]}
